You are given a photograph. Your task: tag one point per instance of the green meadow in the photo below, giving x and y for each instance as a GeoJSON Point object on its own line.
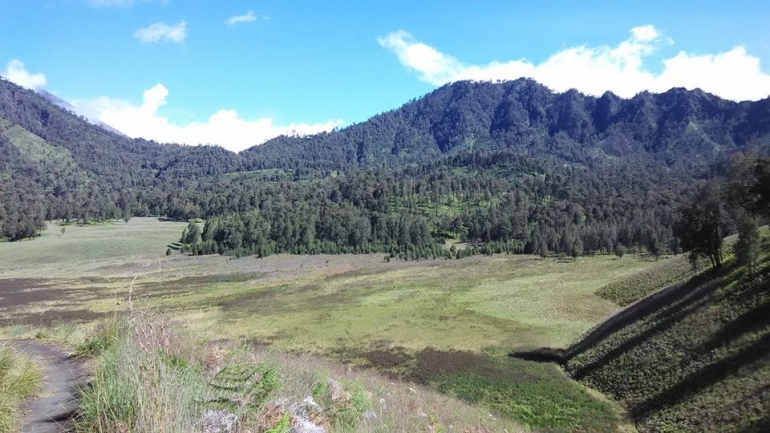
{"type": "Point", "coordinates": [395, 317]}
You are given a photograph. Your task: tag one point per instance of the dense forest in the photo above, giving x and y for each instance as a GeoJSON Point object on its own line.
{"type": "Point", "coordinates": [507, 167]}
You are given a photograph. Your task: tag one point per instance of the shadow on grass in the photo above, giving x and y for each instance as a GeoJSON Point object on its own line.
{"type": "Point", "coordinates": [666, 306]}
{"type": "Point", "coordinates": [705, 377]}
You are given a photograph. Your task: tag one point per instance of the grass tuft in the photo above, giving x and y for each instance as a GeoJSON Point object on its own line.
{"type": "Point", "coordinates": [101, 339]}
{"type": "Point", "coordinates": [20, 377]}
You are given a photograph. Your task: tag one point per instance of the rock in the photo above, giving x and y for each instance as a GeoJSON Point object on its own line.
{"type": "Point", "coordinates": [218, 421]}
{"type": "Point", "coordinates": [338, 393]}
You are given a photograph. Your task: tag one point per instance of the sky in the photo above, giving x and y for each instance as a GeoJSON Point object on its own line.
{"type": "Point", "coordinates": [237, 73]}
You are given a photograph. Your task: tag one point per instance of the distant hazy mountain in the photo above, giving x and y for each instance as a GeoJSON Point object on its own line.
{"type": "Point", "coordinates": [69, 107]}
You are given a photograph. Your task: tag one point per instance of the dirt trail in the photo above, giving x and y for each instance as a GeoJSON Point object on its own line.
{"type": "Point", "coordinates": [52, 410]}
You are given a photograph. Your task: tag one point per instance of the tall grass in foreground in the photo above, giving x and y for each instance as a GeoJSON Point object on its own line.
{"type": "Point", "coordinates": [140, 384]}
{"type": "Point", "coordinates": [19, 379]}
{"type": "Point", "coordinates": [154, 378]}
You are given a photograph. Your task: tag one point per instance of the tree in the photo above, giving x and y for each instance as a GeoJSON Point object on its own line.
{"type": "Point", "coordinates": [749, 183]}
{"type": "Point", "coordinates": [577, 248]}
{"type": "Point", "coordinates": [192, 234]}
{"type": "Point", "coordinates": [702, 225]}
{"type": "Point", "coordinates": [620, 250]}
{"type": "Point", "coordinates": [747, 247]}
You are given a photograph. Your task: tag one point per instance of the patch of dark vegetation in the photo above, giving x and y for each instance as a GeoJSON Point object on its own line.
{"type": "Point", "coordinates": [19, 284]}
{"type": "Point", "coordinates": [387, 359]}
{"type": "Point", "coordinates": [23, 293]}
{"type": "Point", "coordinates": [51, 317]}
{"type": "Point", "coordinates": [539, 395]}
{"type": "Point", "coordinates": [545, 354]}
{"type": "Point", "coordinates": [263, 342]}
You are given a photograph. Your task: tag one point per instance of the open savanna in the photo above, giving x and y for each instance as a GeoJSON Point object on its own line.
{"type": "Point", "coordinates": [313, 303]}
{"type": "Point", "coordinates": [443, 323]}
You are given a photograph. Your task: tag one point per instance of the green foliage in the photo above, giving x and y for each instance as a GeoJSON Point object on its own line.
{"type": "Point", "coordinates": [192, 234]}
{"type": "Point", "coordinates": [747, 247]}
{"type": "Point", "coordinates": [243, 386]}
{"type": "Point", "coordinates": [283, 426]}
{"type": "Point", "coordinates": [537, 395]}
{"type": "Point", "coordinates": [112, 403]}
{"type": "Point", "coordinates": [344, 402]}
{"type": "Point", "coordinates": [104, 336]}
{"type": "Point", "coordinates": [703, 224]}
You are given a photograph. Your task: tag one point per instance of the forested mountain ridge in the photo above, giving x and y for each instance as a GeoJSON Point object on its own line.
{"type": "Point", "coordinates": [508, 166]}
{"type": "Point", "coordinates": [524, 115]}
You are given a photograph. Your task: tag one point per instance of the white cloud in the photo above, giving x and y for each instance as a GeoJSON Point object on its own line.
{"type": "Point", "coordinates": [16, 72]}
{"type": "Point", "coordinates": [734, 75]}
{"type": "Point", "coordinates": [225, 127]}
{"type": "Point", "coordinates": [162, 31]}
{"type": "Point", "coordinates": [248, 17]}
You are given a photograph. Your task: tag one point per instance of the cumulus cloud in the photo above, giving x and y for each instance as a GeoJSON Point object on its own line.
{"type": "Point", "coordinates": [734, 74]}
{"type": "Point", "coordinates": [16, 72]}
{"type": "Point", "coordinates": [162, 31]}
{"type": "Point", "coordinates": [248, 17]}
{"type": "Point", "coordinates": [225, 127]}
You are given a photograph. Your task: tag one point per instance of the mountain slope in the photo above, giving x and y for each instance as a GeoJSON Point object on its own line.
{"type": "Point", "coordinates": [507, 163]}
{"type": "Point", "coordinates": [700, 362]}
{"type": "Point", "coordinates": [113, 157]}
{"type": "Point", "coordinates": [689, 130]}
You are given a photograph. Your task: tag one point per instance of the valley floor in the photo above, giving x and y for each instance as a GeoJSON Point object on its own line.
{"type": "Point", "coordinates": [356, 309]}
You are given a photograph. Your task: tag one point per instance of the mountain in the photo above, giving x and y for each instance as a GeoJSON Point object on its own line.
{"type": "Point", "coordinates": [509, 166]}
{"type": "Point", "coordinates": [678, 128]}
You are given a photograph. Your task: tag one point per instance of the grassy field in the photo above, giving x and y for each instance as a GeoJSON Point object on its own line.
{"type": "Point", "coordinates": [83, 250]}
{"type": "Point", "coordinates": [315, 302]}
{"type": "Point", "coordinates": [502, 301]}
{"type": "Point", "coordinates": [341, 307]}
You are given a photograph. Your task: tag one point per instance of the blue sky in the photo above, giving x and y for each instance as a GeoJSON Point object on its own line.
{"type": "Point", "coordinates": [236, 73]}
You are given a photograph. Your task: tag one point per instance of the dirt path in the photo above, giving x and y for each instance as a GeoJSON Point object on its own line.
{"type": "Point", "coordinates": [54, 406]}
